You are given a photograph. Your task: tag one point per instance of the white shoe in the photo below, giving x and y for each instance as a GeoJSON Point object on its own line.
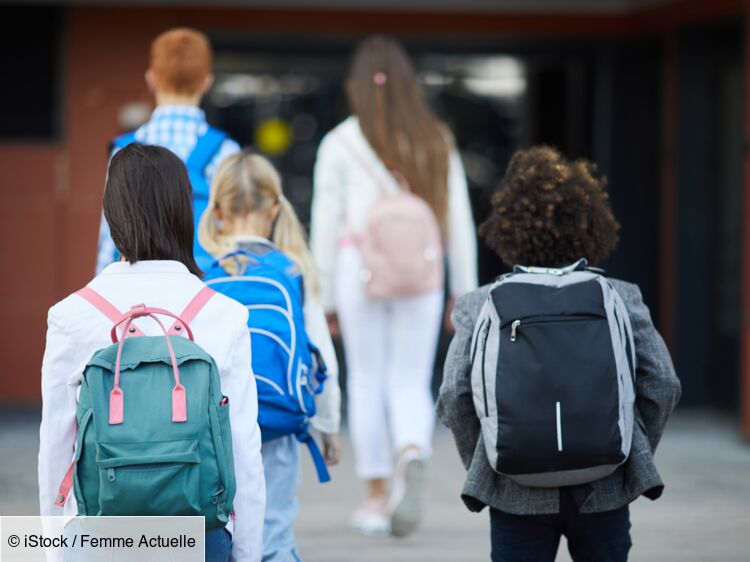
{"type": "Point", "coordinates": [371, 518]}
{"type": "Point", "coordinates": [406, 498]}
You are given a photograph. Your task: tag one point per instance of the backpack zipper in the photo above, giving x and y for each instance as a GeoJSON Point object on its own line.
{"type": "Point", "coordinates": [514, 329]}
{"type": "Point", "coordinates": [476, 342]}
{"type": "Point", "coordinates": [484, 380]}
{"type": "Point", "coordinates": [516, 324]}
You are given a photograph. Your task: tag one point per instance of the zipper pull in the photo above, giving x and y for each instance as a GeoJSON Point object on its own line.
{"type": "Point", "coordinates": [111, 474]}
{"type": "Point", "coordinates": [514, 329]}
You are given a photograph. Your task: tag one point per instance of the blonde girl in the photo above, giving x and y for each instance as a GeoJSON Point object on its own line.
{"type": "Point", "coordinates": [249, 222]}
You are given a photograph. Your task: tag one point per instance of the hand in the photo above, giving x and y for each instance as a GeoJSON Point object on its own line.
{"type": "Point", "coordinates": [333, 324]}
{"type": "Point", "coordinates": [450, 304]}
{"type": "Point", "coordinates": [331, 448]}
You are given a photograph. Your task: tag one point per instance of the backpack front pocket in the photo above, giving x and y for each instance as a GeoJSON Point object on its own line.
{"type": "Point", "coordinates": [157, 478]}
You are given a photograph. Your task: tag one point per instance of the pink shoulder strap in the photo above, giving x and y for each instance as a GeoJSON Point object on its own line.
{"type": "Point", "coordinates": [192, 309]}
{"type": "Point", "coordinates": [105, 307]}
{"type": "Point", "coordinates": [65, 486]}
{"type": "Point", "coordinates": [360, 158]}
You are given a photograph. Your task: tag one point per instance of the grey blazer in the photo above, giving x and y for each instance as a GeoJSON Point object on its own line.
{"type": "Point", "coordinates": [657, 393]}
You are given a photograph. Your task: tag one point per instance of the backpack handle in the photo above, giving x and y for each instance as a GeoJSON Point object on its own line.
{"type": "Point", "coordinates": [580, 265]}
{"type": "Point", "coordinates": [141, 310]}
{"type": "Point", "coordinates": [116, 396]}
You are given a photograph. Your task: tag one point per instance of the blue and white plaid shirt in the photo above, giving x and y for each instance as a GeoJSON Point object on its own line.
{"type": "Point", "coordinates": [176, 127]}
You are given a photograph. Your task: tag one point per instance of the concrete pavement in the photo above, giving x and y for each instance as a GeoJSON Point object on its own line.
{"type": "Point", "coordinates": [704, 515]}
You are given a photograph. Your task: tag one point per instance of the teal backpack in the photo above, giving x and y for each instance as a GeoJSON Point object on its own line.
{"type": "Point", "coordinates": [153, 426]}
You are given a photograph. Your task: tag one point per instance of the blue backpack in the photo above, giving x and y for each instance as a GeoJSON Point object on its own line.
{"type": "Point", "coordinates": [288, 368]}
{"type": "Point", "coordinates": [206, 148]}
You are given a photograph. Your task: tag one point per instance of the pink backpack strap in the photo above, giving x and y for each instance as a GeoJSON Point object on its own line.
{"type": "Point", "coordinates": [105, 307]}
{"type": "Point", "coordinates": [192, 310]}
{"type": "Point", "coordinates": [401, 181]}
{"type": "Point", "coordinates": [65, 486]}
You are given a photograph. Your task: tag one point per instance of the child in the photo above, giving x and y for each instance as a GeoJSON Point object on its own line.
{"type": "Point", "coordinates": [179, 75]}
{"type": "Point", "coordinates": [264, 263]}
{"type": "Point", "coordinates": [550, 212]}
{"type": "Point", "coordinates": [390, 338]}
{"type": "Point", "coordinates": [147, 205]}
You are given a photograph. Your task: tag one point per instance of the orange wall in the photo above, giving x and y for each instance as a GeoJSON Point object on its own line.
{"type": "Point", "coordinates": [32, 192]}
{"type": "Point", "coordinates": [51, 192]}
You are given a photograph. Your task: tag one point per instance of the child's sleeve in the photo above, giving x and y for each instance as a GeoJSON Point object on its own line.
{"type": "Point", "coordinates": [462, 244]}
{"type": "Point", "coordinates": [238, 384]}
{"type": "Point", "coordinates": [455, 404]}
{"type": "Point", "coordinates": [657, 386]}
{"type": "Point", "coordinates": [327, 216]}
{"type": "Point", "coordinates": [57, 431]}
{"type": "Point", "coordinates": [328, 403]}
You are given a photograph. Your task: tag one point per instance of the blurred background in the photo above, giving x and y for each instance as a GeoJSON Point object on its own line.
{"type": "Point", "coordinates": [654, 91]}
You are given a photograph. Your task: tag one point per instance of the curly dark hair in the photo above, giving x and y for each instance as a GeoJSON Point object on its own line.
{"type": "Point", "coordinates": [550, 212]}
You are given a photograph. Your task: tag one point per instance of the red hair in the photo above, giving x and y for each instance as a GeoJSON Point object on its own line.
{"type": "Point", "coordinates": [181, 59]}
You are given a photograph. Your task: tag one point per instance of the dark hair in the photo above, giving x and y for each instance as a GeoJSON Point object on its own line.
{"type": "Point", "coordinates": [148, 205]}
{"type": "Point", "coordinates": [550, 211]}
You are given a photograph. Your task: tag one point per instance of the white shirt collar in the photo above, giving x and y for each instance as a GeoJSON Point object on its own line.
{"type": "Point", "coordinates": [145, 266]}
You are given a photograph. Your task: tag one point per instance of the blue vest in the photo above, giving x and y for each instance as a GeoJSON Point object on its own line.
{"type": "Point", "coordinates": [288, 368]}
{"type": "Point", "coordinates": [206, 148]}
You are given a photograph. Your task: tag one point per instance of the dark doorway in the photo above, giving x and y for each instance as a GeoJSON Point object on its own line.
{"type": "Point", "coordinates": [710, 179]}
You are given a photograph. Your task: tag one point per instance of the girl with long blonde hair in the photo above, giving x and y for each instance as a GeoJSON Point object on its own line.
{"type": "Point", "coordinates": [392, 142]}
{"type": "Point", "coordinates": [263, 261]}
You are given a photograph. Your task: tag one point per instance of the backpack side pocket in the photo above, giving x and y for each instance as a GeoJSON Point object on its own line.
{"type": "Point", "coordinates": [222, 437]}
{"type": "Point", "coordinates": [78, 486]}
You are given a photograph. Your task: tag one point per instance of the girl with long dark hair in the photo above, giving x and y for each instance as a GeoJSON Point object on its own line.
{"type": "Point", "coordinates": [148, 206]}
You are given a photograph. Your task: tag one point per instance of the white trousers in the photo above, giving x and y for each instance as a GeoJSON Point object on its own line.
{"type": "Point", "coordinates": [390, 352]}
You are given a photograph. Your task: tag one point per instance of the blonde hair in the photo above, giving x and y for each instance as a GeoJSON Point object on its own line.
{"type": "Point", "coordinates": [247, 184]}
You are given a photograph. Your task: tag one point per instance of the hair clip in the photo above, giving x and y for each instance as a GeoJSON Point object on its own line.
{"type": "Point", "coordinates": [380, 78]}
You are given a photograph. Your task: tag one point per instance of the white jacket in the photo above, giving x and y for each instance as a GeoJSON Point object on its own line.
{"type": "Point", "coordinates": [76, 330]}
{"type": "Point", "coordinates": [345, 190]}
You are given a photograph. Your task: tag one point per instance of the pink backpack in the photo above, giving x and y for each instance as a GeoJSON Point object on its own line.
{"type": "Point", "coordinates": [401, 248]}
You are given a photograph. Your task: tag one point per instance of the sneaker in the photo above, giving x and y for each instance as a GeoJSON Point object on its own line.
{"type": "Point", "coordinates": [371, 518]}
{"type": "Point", "coordinates": [406, 499]}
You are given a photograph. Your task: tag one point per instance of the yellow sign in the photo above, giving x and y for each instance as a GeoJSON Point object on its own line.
{"type": "Point", "coordinates": [273, 137]}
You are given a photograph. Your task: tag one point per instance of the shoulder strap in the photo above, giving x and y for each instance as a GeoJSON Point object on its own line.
{"type": "Point", "coordinates": [104, 306]}
{"type": "Point", "coordinates": [317, 457]}
{"type": "Point", "coordinates": [122, 141]}
{"type": "Point", "coordinates": [360, 158]}
{"type": "Point", "coordinates": [65, 486]}
{"type": "Point", "coordinates": [205, 149]}
{"type": "Point", "coordinates": [109, 310]}
{"type": "Point", "coordinates": [192, 309]}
